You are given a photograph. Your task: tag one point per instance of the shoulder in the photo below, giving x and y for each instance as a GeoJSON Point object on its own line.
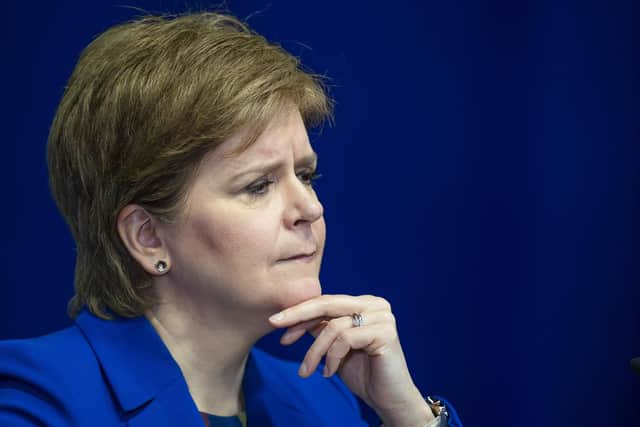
{"type": "Point", "coordinates": [55, 345]}
{"type": "Point", "coordinates": [49, 360]}
{"type": "Point", "coordinates": [315, 391]}
{"type": "Point", "coordinates": [43, 379]}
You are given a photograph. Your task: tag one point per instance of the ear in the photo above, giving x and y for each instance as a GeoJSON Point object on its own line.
{"type": "Point", "coordinates": [138, 232]}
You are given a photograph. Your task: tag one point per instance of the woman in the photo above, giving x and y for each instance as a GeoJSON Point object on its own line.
{"type": "Point", "coordinates": [180, 159]}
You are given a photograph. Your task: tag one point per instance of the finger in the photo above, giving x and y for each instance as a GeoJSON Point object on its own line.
{"type": "Point", "coordinates": [331, 306]}
{"type": "Point", "coordinates": [316, 331]}
{"type": "Point", "coordinates": [368, 318]}
{"type": "Point", "coordinates": [295, 332]}
{"type": "Point", "coordinates": [321, 344]}
{"type": "Point", "coordinates": [371, 339]}
{"type": "Point", "coordinates": [291, 337]}
{"type": "Point", "coordinates": [336, 353]}
{"type": "Point", "coordinates": [333, 328]}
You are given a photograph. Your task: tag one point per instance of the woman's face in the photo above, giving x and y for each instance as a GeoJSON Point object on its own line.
{"type": "Point", "coordinates": [252, 234]}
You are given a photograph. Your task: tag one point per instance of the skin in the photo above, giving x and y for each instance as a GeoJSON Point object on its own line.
{"type": "Point", "coordinates": [249, 244]}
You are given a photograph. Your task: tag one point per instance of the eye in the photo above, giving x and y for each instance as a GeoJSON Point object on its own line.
{"type": "Point", "coordinates": [260, 187]}
{"type": "Point", "coordinates": [309, 177]}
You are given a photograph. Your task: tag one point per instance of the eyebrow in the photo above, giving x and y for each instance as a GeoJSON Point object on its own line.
{"type": "Point", "coordinates": [266, 168]}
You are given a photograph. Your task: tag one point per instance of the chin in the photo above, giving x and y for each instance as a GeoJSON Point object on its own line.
{"type": "Point", "coordinates": [298, 291]}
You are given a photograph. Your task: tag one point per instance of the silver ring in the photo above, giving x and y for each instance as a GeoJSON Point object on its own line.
{"type": "Point", "coordinates": [357, 320]}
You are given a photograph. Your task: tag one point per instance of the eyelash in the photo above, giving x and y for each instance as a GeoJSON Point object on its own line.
{"type": "Point", "coordinates": [261, 186]}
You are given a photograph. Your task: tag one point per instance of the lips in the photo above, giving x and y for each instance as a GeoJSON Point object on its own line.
{"type": "Point", "coordinates": [303, 256]}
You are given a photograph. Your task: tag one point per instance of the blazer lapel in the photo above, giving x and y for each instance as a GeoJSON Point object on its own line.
{"type": "Point", "coordinates": [171, 407]}
{"type": "Point", "coordinates": [145, 380]}
{"type": "Point", "coordinates": [267, 402]}
{"type": "Point", "coordinates": [151, 391]}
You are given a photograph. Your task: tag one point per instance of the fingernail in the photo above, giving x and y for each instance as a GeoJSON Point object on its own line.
{"type": "Point", "coordinates": [325, 371]}
{"type": "Point", "coordinates": [277, 317]}
{"type": "Point", "coordinates": [303, 369]}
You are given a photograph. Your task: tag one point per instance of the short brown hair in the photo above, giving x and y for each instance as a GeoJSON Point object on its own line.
{"type": "Point", "coordinates": [146, 101]}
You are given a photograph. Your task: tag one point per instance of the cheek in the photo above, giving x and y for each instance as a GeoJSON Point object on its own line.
{"type": "Point", "coordinates": [224, 254]}
{"type": "Point", "coordinates": [238, 237]}
{"type": "Point", "coordinates": [319, 229]}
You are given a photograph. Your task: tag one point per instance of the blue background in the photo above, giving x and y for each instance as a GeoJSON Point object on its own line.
{"type": "Point", "coordinates": [482, 175]}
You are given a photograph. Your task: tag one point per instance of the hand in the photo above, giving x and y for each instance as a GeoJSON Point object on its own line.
{"type": "Point", "coordinates": [368, 358]}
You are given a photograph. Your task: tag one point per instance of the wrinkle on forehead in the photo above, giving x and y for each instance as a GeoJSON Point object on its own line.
{"type": "Point", "coordinates": [285, 137]}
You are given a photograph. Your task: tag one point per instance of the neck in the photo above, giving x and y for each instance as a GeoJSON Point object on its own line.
{"type": "Point", "coordinates": [211, 350]}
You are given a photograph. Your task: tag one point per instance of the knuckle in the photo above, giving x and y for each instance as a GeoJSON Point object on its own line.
{"type": "Point", "coordinates": [386, 305]}
{"type": "Point", "coordinates": [368, 297]}
{"type": "Point", "coordinates": [332, 327]}
{"type": "Point", "coordinates": [342, 338]}
{"type": "Point", "coordinates": [324, 300]}
{"type": "Point", "coordinates": [389, 317]}
{"type": "Point", "coordinates": [340, 347]}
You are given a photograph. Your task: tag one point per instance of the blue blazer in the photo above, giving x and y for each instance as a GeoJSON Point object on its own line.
{"type": "Point", "coordinates": [119, 373]}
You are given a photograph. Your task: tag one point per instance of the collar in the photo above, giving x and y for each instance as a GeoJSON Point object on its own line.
{"type": "Point", "coordinates": [139, 368]}
{"type": "Point", "coordinates": [134, 360]}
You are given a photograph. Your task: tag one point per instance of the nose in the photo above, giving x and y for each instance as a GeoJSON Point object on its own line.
{"type": "Point", "coordinates": [303, 206]}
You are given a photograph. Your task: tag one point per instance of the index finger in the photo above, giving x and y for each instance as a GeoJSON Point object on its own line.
{"type": "Point", "coordinates": [322, 306]}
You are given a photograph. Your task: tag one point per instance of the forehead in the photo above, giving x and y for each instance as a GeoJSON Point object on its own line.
{"type": "Point", "coordinates": [284, 138]}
